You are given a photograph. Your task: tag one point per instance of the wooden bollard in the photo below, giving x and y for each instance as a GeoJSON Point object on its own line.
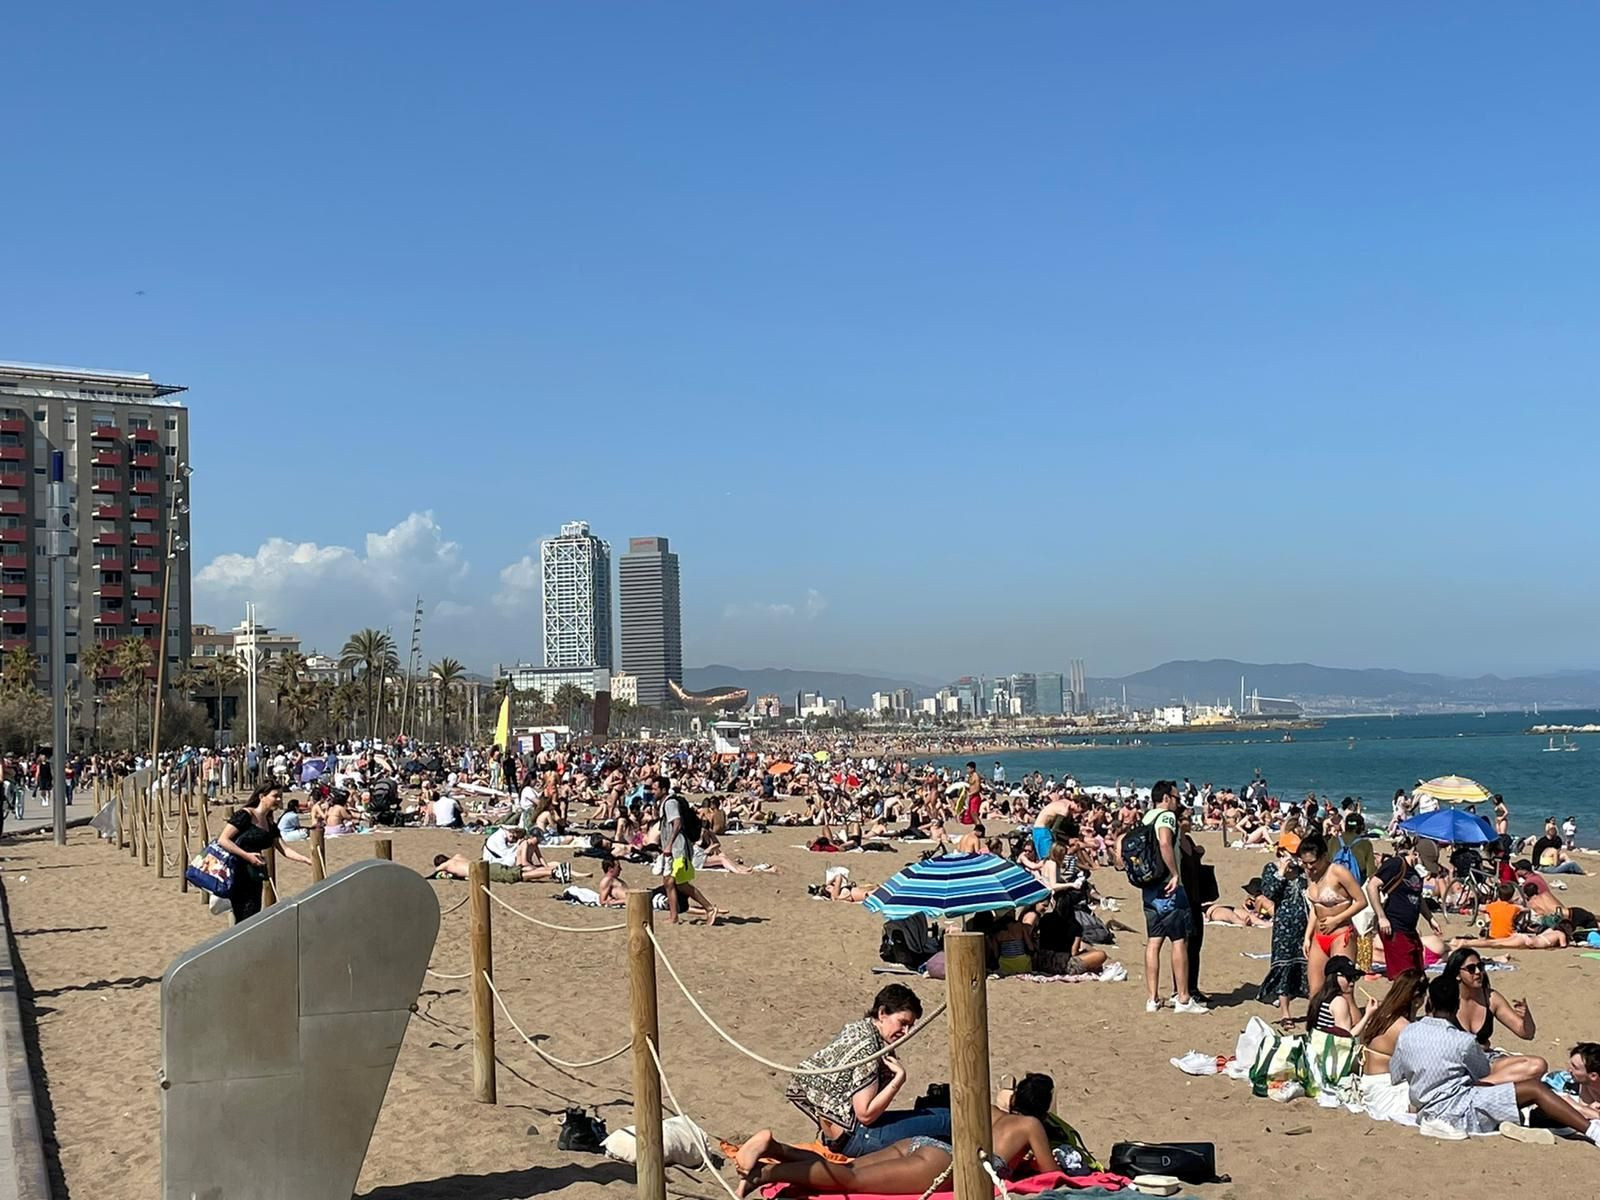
{"type": "Point", "coordinates": [269, 886]}
{"type": "Point", "coordinates": [383, 848]}
{"type": "Point", "coordinates": [483, 1089]}
{"type": "Point", "coordinates": [183, 842]}
{"type": "Point", "coordinates": [971, 1128]}
{"type": "Point", "coordinates": [319, 864]}
{"type": "Point", "coordinates": [650, 1172]}
{"type": "Point", "coordinates": [143, 793]}
{"type": "Point", "coordinates": [159, 813]}
{"type": "Point", "coordinates": [122, 816]}
{"type": "Point", "coordinates": [205, 826]}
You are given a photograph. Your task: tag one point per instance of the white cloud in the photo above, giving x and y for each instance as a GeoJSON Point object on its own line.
{"type": "Point", "coordinates": [519, 586]}
{"type": "Point", "coordinates": [324, 593]}
{"type": "Point", "coordinates": [810, 609]}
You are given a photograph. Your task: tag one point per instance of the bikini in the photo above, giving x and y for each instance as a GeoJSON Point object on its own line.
{"type": "Point", "coordinates": [1001, 1167]}
{"type": "Point", "coordinates": [1329, 897]}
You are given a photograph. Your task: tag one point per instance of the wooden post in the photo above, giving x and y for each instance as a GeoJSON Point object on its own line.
{"type": "Point", "coordinates": [319, 864]}
{"type": "Point", "coordinates": [483, 1089]}
{"type": "Point", "coordinates": [383, 848]}
{"type": "Point", "coordinates": [158, 805]}
{"type": "Point", "coordinates": [183, 841]}
{"type": "Point", "coordinates": [269, 889]}
{"type": "Point", "coordinates": [650, 1171]}
{"type": "Point", "coordinates": [205, 825]}
{"type": "Point", "coordinates": [971, 1127]}
{"type": "Point", "coordinates": [122, 816]}
{"type": "Point", "coordinates": [144, 823]}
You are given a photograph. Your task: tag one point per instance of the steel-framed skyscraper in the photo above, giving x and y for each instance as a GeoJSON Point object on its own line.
{"type": "Point", "coordinates": [576, 575]}
{"type": "Point", "coordinates": [652, 628]}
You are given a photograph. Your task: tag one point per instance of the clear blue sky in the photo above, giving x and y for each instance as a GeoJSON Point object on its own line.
{"type": "Point", "coordinates": [936, 338]}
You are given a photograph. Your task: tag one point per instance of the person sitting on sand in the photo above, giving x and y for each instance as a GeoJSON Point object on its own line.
{"type": "Point", "coordinates": [1382, 1098]}
{"type": "Point", "coordinates": [851, 1105]}
{"type": "Point", "coordinates": [1581, 1087]}
{"type": "Point", "coordinates": [1451, 1079]}
{"type": "Point", "coordinates": [1480, 1005]}
{"type": "Point", "coordinates": [613, 892]}
{"type": "Point", "coordinates": [1333, 1008]}
{"type": "Point", "coordinates": [1546, 912]}
{"type": "Point", "coordinates": [910, 1165]}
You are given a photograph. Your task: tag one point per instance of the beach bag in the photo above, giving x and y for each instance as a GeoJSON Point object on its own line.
{"type": "Point", "coordinates": [1206, 885]}
{"type": "Point", "coordinates": [1066, 1143]}
{"type": "Point", "coordinates": [1255, 1032]}
{"type": "Point", "coordinates": [1328, 1067]}
{"type": "Point", "coordinates": [681, 1143]}
{"type": "Point", "coordinates": [1277, 1060]}
{"type": "Point", "coordinates": [582, 1131]}
{"type": "Point", "coordinates": [1346, 858]}
{"type": "Point", "coordinates": [1141, 857]}
{"type": "Point", "coordinates": [211, 870]}
{"type": "Point", "coordinates": [1192, 1162]}
{"type": "Point", "coordinates": [909, 941]}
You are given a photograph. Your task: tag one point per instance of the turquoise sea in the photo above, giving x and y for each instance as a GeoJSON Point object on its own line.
{"type": "Point", "coordinates": [1358, 756]}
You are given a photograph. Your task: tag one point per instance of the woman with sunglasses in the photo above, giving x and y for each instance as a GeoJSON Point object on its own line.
{"type": "Point", "coordinates": [1481, 1004]}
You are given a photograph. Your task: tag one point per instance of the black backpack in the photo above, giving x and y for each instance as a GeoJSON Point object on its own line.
{"type": "Point", "coordinates": [691, 826]}
{"type": "Point", "coordinates": [1141, 856]}
{"type": "Point", "coordinates": [909, 941]}
{"type": "Point", "coordinates": [582, 1132]}
{"type": "Point", "coordinates": [1192, 1162]}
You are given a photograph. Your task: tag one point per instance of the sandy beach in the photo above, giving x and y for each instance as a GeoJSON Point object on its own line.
{"type": "Point", "coordinates": [94, 932]}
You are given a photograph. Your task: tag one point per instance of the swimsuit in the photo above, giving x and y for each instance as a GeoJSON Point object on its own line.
{"type": "Point", "coordinates": [1001, 1167]}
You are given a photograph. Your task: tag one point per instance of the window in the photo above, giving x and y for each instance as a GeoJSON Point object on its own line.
{"type": "Point", "coordinates": [114, 577]}
{"type": "Point", "coordinates": [105, 473]}
{"type": "Point", "coordinates": [143, 475]}
{"type": "Point", "coordinates": [138, 422]}
{"type": "Point", "coordinates": [38, 414]}
{"type": "Point", "coordinates": [143, 527]}
{"type": "Point", "coordinates": [38, 522]}
{"type": "Point", "coordinates": [71, 658]}
{"type": "Point", "coordinates": [10, 439]}
{"type": "Point", "coordinates": [171, 422]}
{"type": "Point", "coordinates": [105, 419]}
{"type": "Point", "coordinates": [10, 522]}
{"type": "Point", "coordinates": [172, 452]}
{"type": "Point", "coordinates": [38, 470]}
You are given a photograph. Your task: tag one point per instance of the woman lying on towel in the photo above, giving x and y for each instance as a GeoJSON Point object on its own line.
{"type": "Point", "coordinates": [912, 1165]}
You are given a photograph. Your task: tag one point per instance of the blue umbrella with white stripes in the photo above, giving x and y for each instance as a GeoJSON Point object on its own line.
{"type": "Point", "coordinates": [952, 885]}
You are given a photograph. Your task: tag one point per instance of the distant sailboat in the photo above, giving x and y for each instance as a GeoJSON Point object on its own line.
{"type": "Point", "coordinates": [1568, 746]}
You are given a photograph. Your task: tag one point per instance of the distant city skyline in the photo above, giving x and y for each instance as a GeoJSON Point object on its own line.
{"type": "Point", "coordinates": [936, 343]}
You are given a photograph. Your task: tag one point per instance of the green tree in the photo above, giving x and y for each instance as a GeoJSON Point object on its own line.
{"type": "Point", "coordinates": [371, 652]}
{"type": "Point", "coordinates": [223, 673]}
{"type": "Point", "coordinates": [133, 657]}
{"type": "Point", "coordinates": [284, 674]}
{"type": "Point", "coordinates": [19, 673]}
{"type": "Point", "coordinates": [447, 675]}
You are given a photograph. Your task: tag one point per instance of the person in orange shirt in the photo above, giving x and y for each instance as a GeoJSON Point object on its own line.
{"type": "Point", "coordinates": [1502, 913]}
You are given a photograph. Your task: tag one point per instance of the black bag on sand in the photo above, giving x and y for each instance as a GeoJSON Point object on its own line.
{"type": "Point", "coordinates": [582, 1132]}
{"type": "Point", "coordinates": [909, 941]}
{"type": "Point", "coordinates": [1192, 1162]}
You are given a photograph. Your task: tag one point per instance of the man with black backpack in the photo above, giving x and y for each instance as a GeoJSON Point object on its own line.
{"type": "Point", "coordinates": [1149, 853]}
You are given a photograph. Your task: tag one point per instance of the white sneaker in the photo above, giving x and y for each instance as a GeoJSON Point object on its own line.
{"type": "Point", "coordinates": [1526, 1133]}
{"type": "Point", "coordinates": [1152, 1006]}
{"type": "Point", "coordinates": [1189, 1006]}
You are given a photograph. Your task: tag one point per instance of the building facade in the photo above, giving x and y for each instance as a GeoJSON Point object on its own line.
{"type": "Point", "coordinates": [125, 446]}
{"type": "Point", "coordinates": [1051, 696]}
{"type": "Point", "coordinates": [624, 687]}
{"type": "Point", "coordinates": [575, 569]}
{"type": "Point", "coordinates": [652, 625]}
{"type": "Point", "coordinates": [547, 681]}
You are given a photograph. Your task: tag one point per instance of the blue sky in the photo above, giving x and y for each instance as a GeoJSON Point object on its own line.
{"type": "Point", "coordinates": [937, 338]}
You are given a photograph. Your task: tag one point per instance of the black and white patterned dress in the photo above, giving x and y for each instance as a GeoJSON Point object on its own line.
{"type": "Point", "coordinates": [1288, 974]}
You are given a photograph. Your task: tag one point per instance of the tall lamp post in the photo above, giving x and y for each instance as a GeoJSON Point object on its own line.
{"type": "Point", "coordinates": [58, 548]}
{"type": "Point", "coordinates": [176, 507]}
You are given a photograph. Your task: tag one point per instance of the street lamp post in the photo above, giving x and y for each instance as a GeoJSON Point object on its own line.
{"type": "Point", "coordinates": [58, 549]}
{"type": "Point", "coordinates": [176, 507]}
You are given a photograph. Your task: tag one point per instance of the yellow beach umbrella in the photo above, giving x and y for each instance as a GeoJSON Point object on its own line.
{"type": "Point", "coordinates": [1455, 789]}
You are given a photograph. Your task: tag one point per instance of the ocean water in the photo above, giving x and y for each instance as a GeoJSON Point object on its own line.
{"type": "Point", "coordinates": [1358, 756]}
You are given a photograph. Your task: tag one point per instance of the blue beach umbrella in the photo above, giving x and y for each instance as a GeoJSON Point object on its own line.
{"type": "Point", "coordinates": [1450, 825]}
{"type": "Point", "coordinates": [311, 769]}
{"type": "Point", "coordinates": [953, 885]}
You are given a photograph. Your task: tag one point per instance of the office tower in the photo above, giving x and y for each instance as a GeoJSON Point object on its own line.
{"type": "Point", "coordinates": [1049, 692]}
{"type": "Point", "coordinates": [576, 573]}
{"type": "Point", "coordinates": [124, 441]}
{"type": "Point", "coordinates": [652, 628]}
{"type": "Point", "coordinates": [1025, 688]}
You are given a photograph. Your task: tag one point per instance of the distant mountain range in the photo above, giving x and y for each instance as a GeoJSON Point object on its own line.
{"type": "Point", "coordinates": [1332, 688]}
{"type": "Point", "coordinates": [778, 681]}
{"type": "Point", "coordinates": [1328, 689]}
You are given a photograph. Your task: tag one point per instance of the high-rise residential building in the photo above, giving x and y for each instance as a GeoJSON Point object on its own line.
{"type": "Point", "coordinates": [125, 447]}
{"type": "Point", "coordinates": [652, 627]}
{"type": "Point", "coordinates": [1050, 695]}
{"type": "Point", "coordinates": [576, 575]}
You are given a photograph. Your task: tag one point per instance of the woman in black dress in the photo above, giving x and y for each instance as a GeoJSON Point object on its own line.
{"type": "Point", "coordinates": [251, 830]}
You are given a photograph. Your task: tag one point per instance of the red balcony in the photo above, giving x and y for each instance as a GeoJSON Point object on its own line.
{"type": "Point", "coordinates": [13, 535]}
{"type": "Point", "coordinates": [14, 562]}
{"type": "Point", "coordinates": [14, 589]}
{"type": "Point", "coordinates": [144, 435]}
{"type": "Point", "coordinates": [108, 512]}
{"type": "Point", "coordinates": [108, 564]}
{"type": "Point", "coordinates": [146, 460]}
{"type": "Point", "coordinates": [109, 591]}
{"type": "Point", "coordinates": [12, 479]}
{"type": "Point", "coordinates": [7, 645]}
{"type": "Point", "coordinates": [12, 508]}
{"type": "Point", "coordinates": [107, 456]}
{"type": "Point", "coordinates": [106, 433]}
{"type": "Point", "coordinates": [147, 566]}
{"type": "Point", "coordinates": [106, 485]}
{"type": "Point", "coordinates": [147, 618]}
{"type": "Point", "coordinates": [146, 489]}
{"type": "Point", "coordinates": [14, 616]}
{"type": "Point", "coordinates": [147, 593]}
{"type": "Point", "coordinates": [13, 425]}
{"type": "Point", "coordinates": [147, 540]}
{"type": "Point", "coordinates": [12, 454]}
{"type": "Point", "coordinates": [147, 512]}
{"type": "Point", "coordinates": [109, 537]}
{"type": "Point", "coordinates": [113, 616]}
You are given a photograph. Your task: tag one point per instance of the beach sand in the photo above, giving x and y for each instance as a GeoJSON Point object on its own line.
{"type": "Point", "coordinates": [95, 932]}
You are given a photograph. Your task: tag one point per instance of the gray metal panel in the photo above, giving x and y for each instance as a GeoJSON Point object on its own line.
{"type": "Point", "coordinates": [293, 1021]}
{"type": "Point", "coordinates": [340, 973]}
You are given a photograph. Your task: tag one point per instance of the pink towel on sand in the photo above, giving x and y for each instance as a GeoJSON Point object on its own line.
{"type": "Point", "coordinates": [1022, 1187]}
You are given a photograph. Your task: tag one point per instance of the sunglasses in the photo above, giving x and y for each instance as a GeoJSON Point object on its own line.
{"type": "Point", "coordinates": [1475, 968]}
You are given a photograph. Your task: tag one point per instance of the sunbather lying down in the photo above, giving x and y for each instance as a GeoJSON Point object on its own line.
{"type": "Point", "coordinates": [911, 1165]}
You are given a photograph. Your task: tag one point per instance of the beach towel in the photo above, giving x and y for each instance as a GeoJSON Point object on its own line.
{"type": "Point", "coordinates": [1112, 972]}
{"type": "Point", "coordinates": [1048, 1184]}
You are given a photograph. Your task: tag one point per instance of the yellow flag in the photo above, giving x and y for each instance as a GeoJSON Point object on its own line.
{"type": "Point", "coordinates": [502, 725]}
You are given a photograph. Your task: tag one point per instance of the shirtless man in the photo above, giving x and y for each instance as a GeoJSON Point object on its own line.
{"type": "Point", "coordinates": [1058, 808]}
{"type": "Point", "coordinates": [1550, 939]}
{"type": "Point", "coordinates": [613, 892]}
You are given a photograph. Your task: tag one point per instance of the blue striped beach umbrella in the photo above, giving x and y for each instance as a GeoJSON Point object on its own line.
{"type": "Point", "coordinates": [953, 885]}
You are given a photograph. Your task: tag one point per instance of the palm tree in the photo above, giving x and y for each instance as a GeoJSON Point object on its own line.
{"type": "Point", "coordinates": [18, 675]}
{"type": "Point", "coordinates": [300, 704]}
{"type": "Point", "coordinates": [133, 657]}
{"type": "Point", "coordinates": [343, 704]}
{"type": "Point", "coordinates": [373, 652]}
{"type": "Point", "coordinates": [222, 673]}
{"type": "Point", "coordinates": [447, 676]}
{"type": "Point", "coordinates": [284, 674]}
{"type": "Point", "coordinates": [92, 662]}
{"type": "Point", "coordinates": [568, 703]}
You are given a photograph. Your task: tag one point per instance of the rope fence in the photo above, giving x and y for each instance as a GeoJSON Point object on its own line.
{"type": "Point", "coordinates": [767, 1062]}
{"type": "Point", "coordinates": [548, 925]}
{"type": "Point", "coordinates": [699, 1142]}
{"type": "Point", "coordinates": [550, 1058]}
